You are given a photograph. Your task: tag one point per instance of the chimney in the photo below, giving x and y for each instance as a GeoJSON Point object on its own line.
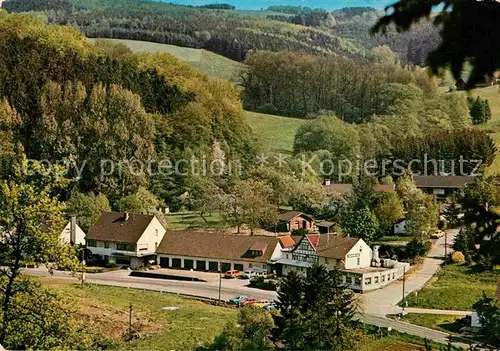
{"type": "Point", "coordinates": [126, 216]}
{"type": "Point", "coordinates": [327, 182]}
{"type": "Point", "coordinates": [72, 233]}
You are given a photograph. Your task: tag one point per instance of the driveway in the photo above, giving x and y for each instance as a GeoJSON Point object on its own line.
{"type": "Point", "coordinates": [384, 301]}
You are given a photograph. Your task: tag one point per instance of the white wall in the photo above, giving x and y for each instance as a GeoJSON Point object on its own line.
{"type": "Point", "coordinates": [474, 321]}
{"type": "Point", "coordinates": [79, 235]}
{"type": "Point", "coordinates": [362, 251]}
{"type": "Point", "coordinates": [151, 237]}
{"type": "Point", "coordinates": [277, 253]}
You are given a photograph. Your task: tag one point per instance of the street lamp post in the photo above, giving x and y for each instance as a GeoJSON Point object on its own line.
{"type": "Point", "coordinates": [220, 280]}
{"type": "Point", "coordinates": [404, 298]}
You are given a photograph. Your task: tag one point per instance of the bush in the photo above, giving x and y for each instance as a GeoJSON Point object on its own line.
{"type": "Point", "coordinates": [457, 257]}
{"type": "Point", "coordinates": [264, 284]}
{"type": "Point", "coordinates": [299, 232]}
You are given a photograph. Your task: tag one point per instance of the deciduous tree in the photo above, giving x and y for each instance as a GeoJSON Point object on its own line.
{"type": "Point", "coordinates": [31, 218]}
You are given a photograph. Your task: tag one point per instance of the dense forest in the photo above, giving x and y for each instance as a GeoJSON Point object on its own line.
{"type": "Point", "coordinates": [233, 34]}
{"type": "Point", "coordinates": [303, 85]}
{"type": "Point", "coordinates": [224, 32]}
{"type": "Point", "coordinates": [72, 100]}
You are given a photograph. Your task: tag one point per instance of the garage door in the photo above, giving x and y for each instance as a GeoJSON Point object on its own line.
{"type": "Point", "coordinates": [188, 264]}
{"type": "Point", "coordinates": [238, 267]}
{"type": "Point", "coordinates": [213, 266]}
{"type": "Point", "coordinates": [164, 262]}
{"type": "Point", "coordinates": [176, 262]}
{"type": "Point", "coordinates": [201, 265]}
{"type": "Point", "coordinates": [225, 267]}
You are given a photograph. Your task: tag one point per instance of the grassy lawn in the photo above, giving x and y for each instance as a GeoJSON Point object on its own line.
{"type": "Point", "coordinates": [393, 240]}
{"type": "Point", "coordinates": [107, 308]}
{"type": "Point", "coordinates": [493, 95]}
{"type": "Point", "coordinates": [180, 221]}
{"type": "Point", "coordinates": [456, 287]}
{"type": "Point", "coordinates": [445, 323]}
{"type": "Point", "coordinates": [193, 325]}
{"type": "Point", "coordinates": [276, 133]}
{"type": "Point", "coordinates": [397, 341]}
{"type": "Point", "coordinates": [204, 61]}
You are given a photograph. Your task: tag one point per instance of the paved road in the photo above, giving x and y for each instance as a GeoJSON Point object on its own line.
{"type": "Point", "coordinates": [384, 301]}
{"type": "Point", "coordinates": [376, 305]}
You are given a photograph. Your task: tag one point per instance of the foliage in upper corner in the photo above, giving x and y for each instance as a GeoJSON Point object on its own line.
{"type": "Point", "coordinates": [468, 31]}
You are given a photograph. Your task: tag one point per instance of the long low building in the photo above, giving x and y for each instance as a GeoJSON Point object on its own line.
{"type": "Point", "coordinates": [207, 251]}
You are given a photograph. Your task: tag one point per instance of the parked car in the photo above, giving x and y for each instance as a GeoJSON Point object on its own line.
{"type": "Point", "coordinates": [248, 274]}
{"type": "Point", "coordinates": [271, 307]}
{"type": "Point", "coordinates": [262, 303]}
{"type": "Point", "coordinates": [249, 301]}
{"type": "Point", "coordinates": [233, 274]}
{"type": "Point", "coordinates": [237, 300]}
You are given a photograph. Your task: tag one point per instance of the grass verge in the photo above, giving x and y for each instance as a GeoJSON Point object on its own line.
{"type": "Point", "coordinates": [193, 325]}
{"type": "Point", "coordinates": [180, 221]}
{"type": "Point", "coordinates": [455, 287]}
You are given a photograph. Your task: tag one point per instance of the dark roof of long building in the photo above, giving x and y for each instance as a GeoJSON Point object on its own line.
{"type": "Point", "coordinates": [113, 226]}
{"type": "Point", "coordinates": [216, 246]}
{"type": "Point", "coordinates": [442, 181]}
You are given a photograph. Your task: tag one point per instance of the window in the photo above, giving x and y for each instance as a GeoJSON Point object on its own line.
{"type": "Point", "coordinates": [382, 278]}
{"type": "Point", "coordinates": [375, 280]}
{"type": "Point", "coordinates": [326, 260]}
{"type": "Point", "coordinates": [91, 243]}
{"type": "Point", "coordinates": [125, 247]}
{"type": "Point", "coordinates": [359, 261]}
{"type": "Point", "coordinates": [106, 245]}
{"type": "Point", "coordinates": [156, 232]}
{"type": "Point", "coordinates": [368, 281]}
{"type": "Point", "coordinates": [361, 249]}
{"type": "Point", "coordinates": [287, 256]}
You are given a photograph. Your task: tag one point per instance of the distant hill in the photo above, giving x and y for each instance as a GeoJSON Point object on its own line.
{"type": "Point", "coordinates": [204, 61]}
{"type": "Point", "coordinates": [224, 32]}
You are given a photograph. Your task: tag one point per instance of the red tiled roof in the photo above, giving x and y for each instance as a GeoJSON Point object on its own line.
{"type": "Point", "coordinates": [313, 239]}
{"type": "Point", "coordinates": [287, 241]}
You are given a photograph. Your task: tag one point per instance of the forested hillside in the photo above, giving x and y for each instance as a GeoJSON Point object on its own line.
{"type": "Point", "coordinates": [223, 32]}
{"type": "Point", "coordinates": [64, 98]}
{"type": "Point", "coordinates": [355, 24]}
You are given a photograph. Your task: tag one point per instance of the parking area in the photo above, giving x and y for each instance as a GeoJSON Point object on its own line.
{"type": "Point", "coordinates": [209, 277]}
